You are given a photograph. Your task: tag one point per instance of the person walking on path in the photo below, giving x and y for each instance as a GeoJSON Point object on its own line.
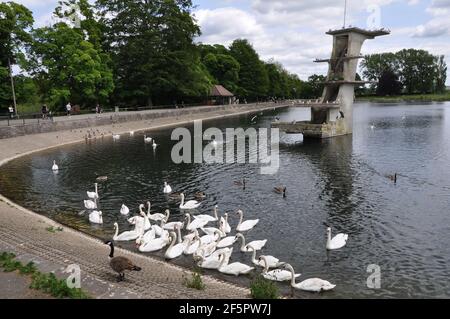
{"type": "Point", "coordinates": [98, 109]}
{"type": "Point", "coordinates": [44, 111]}
{"type": "Point", "coordinates": [68, 108]}
{"type": "Point", "coordinates": [11, 112]}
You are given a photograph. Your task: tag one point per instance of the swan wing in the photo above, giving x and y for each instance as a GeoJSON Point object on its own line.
{"type": "Point", "coordinates": [338, 241]}
{"type": "Point", "coordinates": [315, 285]}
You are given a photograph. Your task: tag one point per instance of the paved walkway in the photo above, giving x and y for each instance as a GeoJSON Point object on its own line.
{"type": "Point", "coordinates": [24, 232]}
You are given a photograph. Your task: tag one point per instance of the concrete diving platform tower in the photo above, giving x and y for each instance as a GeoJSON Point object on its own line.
{"type": "Point", "coordinates": [332, 114]}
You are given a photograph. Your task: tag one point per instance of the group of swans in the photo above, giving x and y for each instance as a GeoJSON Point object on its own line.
{"type": "Point", "coordinates": [95, 216]}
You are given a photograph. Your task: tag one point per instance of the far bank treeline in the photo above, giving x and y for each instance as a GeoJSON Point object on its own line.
{"type": "Point", "coordinates": [133, 53]}
{"type": "Point", "coordinates": [141, 52]}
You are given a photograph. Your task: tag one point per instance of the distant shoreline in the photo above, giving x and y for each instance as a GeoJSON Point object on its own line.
{"type": "Point", "coordinates": [445, 97]}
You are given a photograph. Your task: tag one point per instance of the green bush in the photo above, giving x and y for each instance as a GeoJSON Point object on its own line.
{"type": "Point", "coordinates": [262, 288]}
{"type": "Point", "coordinates": [196, 281]}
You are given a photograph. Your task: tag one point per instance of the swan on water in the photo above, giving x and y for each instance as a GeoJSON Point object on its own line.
{"type": "Point", "coordinates": [235, 269]}
{"type": "Point", "coordinates": [129, 235]}
{"type": "Point", "coordinates": [208, 218]}
{"type": "Point", "coordinates": [124, 210]}
{"type": "Point", "coordinates": [226, 242]}
{"type": "Point", "coordinates": [338, 241]}
{"type": "Point", "coordinates": [167, 189]}
{"type": "Point", "coordinates": [192, 204]}
{"type": "Point", "coordinates": [93, 195]}
{"type": "Point", "coordinates": [154, 145]}
{"type": "Point", "coordinates": [207, 249]}
{"type": "Point", "coordinates": [196, 223]}
{"type": "Point", "coordinates": [55, 166]}
{"type": "Point", "coordinates": [89, 204]}
{"type": "Point", "coordinates": [174, 250]}
{"type": "Point", "coordinates": [212, 261]}
{"type": "Point", "coordinates": [210, 238]}
{"type": "Point", "coordinates": [157, 216]}
{"type": "Point", "coordinates": [96, 217]}
{"type": "Point", "coordinates": [271, 261]}
{"type": "Point", "coordinates": [152, 245]}
{"type": "Point", "coordinates": [245, 225]}
{"type": "Point", "coordinates": [226, 228]}
{"type": "Point", "coordinates": [192, 246]}
{"type": "Point", "coordinates": [276, 274]}
{"type": "Point", "coordinates": [256, 244]}
{"type": "Point", "coordinates": [311, 284]}
{"type": "Point", "coordinates": [116, 137]}
{"type": "Point", "coordinates": [147, 139]}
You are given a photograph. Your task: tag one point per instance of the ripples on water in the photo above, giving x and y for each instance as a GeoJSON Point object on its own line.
{"type": "Point", "coordinates": [403, 228]}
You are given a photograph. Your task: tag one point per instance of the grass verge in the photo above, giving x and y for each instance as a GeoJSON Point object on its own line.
{"type": "Point", "coordinates": [262, 288]}
{"type": "Point", "coordinates": [195, 282]}
{"type": "Point", "coordinates": [47, 283]}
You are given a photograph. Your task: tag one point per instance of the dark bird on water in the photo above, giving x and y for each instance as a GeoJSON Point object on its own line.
{"type": "Point", "coordinates": [240, 183]}
{"type": "Point", "coordinates": [280, 190]}
{"type": "Point", "coordinates": [200, 195]}
{"type": "Point", "coordinates": [393, 177]}
{"type": "Point", "coordinates": [119, 264]}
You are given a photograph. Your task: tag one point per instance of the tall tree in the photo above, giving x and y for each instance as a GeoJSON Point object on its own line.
{"type": "Point", "coordinates": [151, 43]}
{"type": "Point", "coordinates": [389, 84]}
{"type": "Point", "coordinates": [253, 78]}
{"type": "Point", "coordinates": [15, 21]}
{"type": "Point", "coordinates": [441, 74]}
{"type": "Point", "coordinates": [224, 68]}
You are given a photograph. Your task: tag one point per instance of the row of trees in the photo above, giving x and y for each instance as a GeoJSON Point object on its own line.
{"type": "Point", "coordinates": [407, 71]}
{"type": "Point", "coordinates": [129, 52]}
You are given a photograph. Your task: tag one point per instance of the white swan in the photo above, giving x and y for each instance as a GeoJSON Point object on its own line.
{"type": "Point", "coordinates": [147, 139]}
{"type": "Point", "coordinates": [196, 223]}
{"type": "Point", "coordinates": [192, 246]}
{"type": "Point", "coordinates": [93, 195]}
{"type": "Point", "coordinates": [224, 224]}
{"type": "Point", "coordinates": [173, 225]}
{"type": "Point", "coordinates": [311, 284]}
{"type": "Point", "coordinates": [55, 166]}
{"type": "Point", "coordinates": [191, 235]}
{"type": "Point", "coordinates": [212, 261]}
{"type": "Point", "coordinates": [147, 224]}
{"type": "Point", "coordinates": [154, 145]}
{"type": "Point", "coordinates": [255, 244]}
{"type": "Point", "coordinates": [204, 240]}
{"type": "Point", "coordinates": [150, 235]}
{"type": "Point", "coordinates": [124, 210]}
{"type": "Point", "coordinates": [236, 268]}
{"type": "Point", "coordinates": [116, 137]}
{"type": "Point", "coordinates": [131, 133]}
{"type": "Point", "coordinates": [207, 249]}
{"type": "Point", "coordinates": [129, 235]}
{"type": "Point", "coordinates": [157, 216]}
{"type": "Point", "coordinates": [269, 261]}
{"type": "Point", "coordinates": [174, 251]}
{"type": "Point", "coordinates": [167, 189]}
{"type": "Point", "coordinates": [226, 242]}
{"type": "Point", "coordinates": [89, 204]}
{"type": "Point", "coordinates": [338, 241]}
{"type": "Point", "coordinates": [276, 274]}
{"type": "Point", "coordinates": [192, 204]}
{"type": "Point", "coordinates": [152, 245]}
{"type": "Point", "coordinates": [247, 225]}
{"type": "Point", "coordinates": [96, 217]}
{"type": "Point", "coordinates": [208, 218]}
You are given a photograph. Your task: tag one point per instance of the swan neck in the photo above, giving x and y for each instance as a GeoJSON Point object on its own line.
{"type": "Point", "coordinates": [179, 234]}
{"type": "Point", "coordinates": [117, 231]}
{"type": "Point", "coordinates": [215, 213]}
{"type": "Point", "coordinates": [293, 275]}
{"type": "Point", "coordinates": [172, 243]}
{"type": "Point", "coordinates": [241, 216]}
{"type": "Point", "coordinates": [243, 241]}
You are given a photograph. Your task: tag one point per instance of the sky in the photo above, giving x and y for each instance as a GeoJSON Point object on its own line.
{"type": "Point", "coordinates": [293, 31]}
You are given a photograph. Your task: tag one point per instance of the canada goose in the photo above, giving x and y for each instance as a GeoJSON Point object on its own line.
{"type": "Point", "coordinates": [240, 183]}
{"type": "Point", "coordinates": [119, 264]}
{"type": "Point", "coordinates": [280, 190]}
{"type": "Point", "coordinates": [393, 178]}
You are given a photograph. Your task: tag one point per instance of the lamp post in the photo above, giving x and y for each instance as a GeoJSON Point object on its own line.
{"type": "Point", "coordinates": [12, 87]}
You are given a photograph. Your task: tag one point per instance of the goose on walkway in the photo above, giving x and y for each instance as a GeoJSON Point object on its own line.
{"type": "Point", "coordinates": [167, 189]}
{"type": "Point", "coordinates": [129, 235]}
{"type": "Point", "coordinates": [120, 264]}
{"type": "Point", "coordinates": [338, 241]}
{"type": "Point", "coordinates": [174, 250]}
{"type": "Point", "coordinates": [196, 223]}
{"type": "Point", "coordinates": [157, 216]}
{"type": "Point", "coordinates": [147, 139]}
{"type": "Point", "coordinates": [90, 204]}
{"type": "Point", "coordinates": [276, 274]}
{"type": "Point", "coordinates": [96, 217]}
{"type": "Point", "coordinates": [280, 190]}
{"type": "Point", "coordinates": [255, 244]}
{"type": "Point", "coordinates": [235, 269]}
{"type": "Point", "coordinates": [192, 204]}
{"type": "Point", "coordinates": [245, 225]}
{"type": "Point", "coordinates": [271, 261]}
{"type": "Point", "coordinates": [93, 195]}
{"type": "Point", "coordinates": [124, 210]}
{"type": "Point", "coordinates": [55, 166]}
{"type": "Point", "coordinates": [208, 218]}
{"type": "Point", "coordinates": [311, 284]}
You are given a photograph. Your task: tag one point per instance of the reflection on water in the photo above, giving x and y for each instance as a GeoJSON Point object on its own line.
{"type": "Point", "coordinates": [403, 227]}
